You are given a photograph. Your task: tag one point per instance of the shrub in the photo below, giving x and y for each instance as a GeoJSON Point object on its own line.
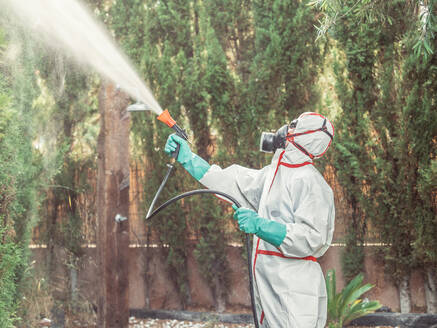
{"type": "Point", "coordinates": [346, 306]}
{"type": "Point", "coordinates": [10, 259]}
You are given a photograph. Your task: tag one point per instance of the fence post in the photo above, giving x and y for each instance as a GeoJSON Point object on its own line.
{"type": "Point", "coordinates": [112, 210]}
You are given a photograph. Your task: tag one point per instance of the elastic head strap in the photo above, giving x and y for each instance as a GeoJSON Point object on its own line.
{"type": "Point", "coordinates": [325, 129]}
{"type": "Point", "coordinates": [302, 149]}
{"type": "Point", "coordinates": [290, 137]}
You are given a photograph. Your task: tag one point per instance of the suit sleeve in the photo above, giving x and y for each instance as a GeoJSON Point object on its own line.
{"type": "Point", "coordinates": [310, 233]}
{"type": "Point", "coordinates": [242, 183]}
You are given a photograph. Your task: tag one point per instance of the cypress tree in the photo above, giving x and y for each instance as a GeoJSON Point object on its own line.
{"type": "Point", "coordinates": [390, 96]}
{"type": "Point", "coordinates": [173, 59]}
{"type": "Point", "coordinates": [287, 60]}
{"type": "Point", "coordinates": [64, 130]}
{"type": "Point", "coordinates": [421, 120]}
{"type": "Point", "coordinates": [404, 124]}
{"type": "Point", "coordinates": [356, 90]}
{"type": "Point", "coordinates": [391, 217]}
{"type": "Point", "coordinates": [10, 159]}
{"type": "Point", "coordinates": [20, 169]}
{"type": "Point", "coordinates": [418, 92]}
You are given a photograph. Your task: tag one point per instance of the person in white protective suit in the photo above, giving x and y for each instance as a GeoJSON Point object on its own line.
{"type": "Point", "coordinates": [290, 208]}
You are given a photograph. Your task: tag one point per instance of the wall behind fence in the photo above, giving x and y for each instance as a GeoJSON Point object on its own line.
{"type": "Point", "coordinates": [162, 294]}
{"type": "Point", "coordinates": [150, 282]}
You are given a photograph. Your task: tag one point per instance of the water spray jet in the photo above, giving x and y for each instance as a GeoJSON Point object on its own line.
{"type": "Point", "coordinates": [68, 26]}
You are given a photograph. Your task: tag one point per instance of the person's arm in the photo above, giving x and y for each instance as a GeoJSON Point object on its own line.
{"type": "Point", "coordinates": [311, 232]}
{"type": "Point", "coordinates": [244, 184]}
{"type": "Point", "coordinates": [195, 165]}
{"type": "Point", "coordinates": [313, 214]}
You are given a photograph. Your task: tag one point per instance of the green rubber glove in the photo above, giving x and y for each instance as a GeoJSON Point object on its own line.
{"type": "Point", "coordinates": [250, 222]}
{"type": "Point", "coordinates": [194, 164]}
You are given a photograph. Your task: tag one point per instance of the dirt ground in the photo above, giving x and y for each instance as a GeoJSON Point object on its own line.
{"type": "Point", "coordinates": [154, 323]}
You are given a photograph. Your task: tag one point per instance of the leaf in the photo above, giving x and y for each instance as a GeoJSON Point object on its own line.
{"type": "Point", "coordinates": [331, 291]}
{"type": "Point", "coordinates": [427, 47]}
{"type": "Point", "coordinates": [389, 20]}
{"type": "Point", "coordinates": [346, 305]}
{"type": "Point", "coordinates": [355, 294]}
{"type": "Point", "coordinates": [360, 310]}
{"type": "Point", "coordinates": [417, 44]}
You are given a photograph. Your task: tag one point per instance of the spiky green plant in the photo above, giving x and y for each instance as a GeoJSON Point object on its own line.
{"type": "Point", "coordinates": [346, 306]}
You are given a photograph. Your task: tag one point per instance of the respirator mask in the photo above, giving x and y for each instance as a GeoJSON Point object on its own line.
{"type": "Point", "coordinates": [270, 141]}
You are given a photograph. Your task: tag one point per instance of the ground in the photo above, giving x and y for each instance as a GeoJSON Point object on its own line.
{"type": "Point", "coordinates": [154, 323]}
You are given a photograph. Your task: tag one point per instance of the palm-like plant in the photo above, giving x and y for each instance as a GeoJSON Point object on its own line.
{"type": "Point", "coordinates": [346, 306]}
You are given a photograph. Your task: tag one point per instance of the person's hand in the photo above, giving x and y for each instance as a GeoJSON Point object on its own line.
{"type": "Point", "coordinates": [247, 219]}
{"type": "Point", "coordinates": [185, 153]}
{"type": "Point", "coordinates": [250, 222]}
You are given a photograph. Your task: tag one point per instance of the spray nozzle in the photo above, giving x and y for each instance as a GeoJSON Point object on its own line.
{"type": "Point", "coordinates": [166, 118]}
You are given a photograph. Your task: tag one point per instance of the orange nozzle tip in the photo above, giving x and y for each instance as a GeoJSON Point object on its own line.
{"type": "Point", "coordinates": [166, 118]}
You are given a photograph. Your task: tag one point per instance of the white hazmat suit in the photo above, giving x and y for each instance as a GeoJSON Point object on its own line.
{"type": "Point", "coordinates": [289, 285]}
{"type": "Point", "coordinates": [287, 204]}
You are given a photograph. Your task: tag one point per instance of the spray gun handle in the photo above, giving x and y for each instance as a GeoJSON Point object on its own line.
{"type": "Point", "coordinates": [181, 133]}
{"type": "Point", "coordinates": [175, 154]}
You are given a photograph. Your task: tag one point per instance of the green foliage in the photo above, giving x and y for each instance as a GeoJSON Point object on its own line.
{"type": "Point", "coordinates": [69, 147]}
{"type": "Point", "coordinates": [228, 70]}
{"type": "Point", "coordinates": [356, 88]}
{"type": "Point", "coordinates": [423, 26]}
{"type": "Point", "coordinates": [417, 103]}
{"type": "Point", "coordinates": [11, 260]}
{"type": "Point", "coordinates": [384, 136]}
{"type": "Point", "coordinates": [47, 145]}
{"type": "Point", "coordinates": [427, 27]}
{"type": "Point", "coordinates": [287, 59]}
{"type": "Point", "coordinates": [404, 121]}
{"type": "Point", "coordinates": [20, 168]}
{"type": "Point", "coordinates": [225, 84]}
{"type": "Point", "coordinates": [346, 306]}
{"type": "Point", "coordinates": [352, 259]}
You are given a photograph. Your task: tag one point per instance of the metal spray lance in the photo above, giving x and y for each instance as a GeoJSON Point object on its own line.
{"type": "Point", "coordinates": [166, 118]}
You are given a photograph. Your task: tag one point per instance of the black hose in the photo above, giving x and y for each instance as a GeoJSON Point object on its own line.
{"type": "Point", "coordinates": [248, 241]}
{"type": "Point", "coordinates": [152, 205]}
{"type": "Point", "coordinates": [191, 193]}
